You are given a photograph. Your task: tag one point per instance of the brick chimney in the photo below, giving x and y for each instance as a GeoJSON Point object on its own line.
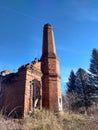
{"type": "Point", "coordinates": [51, 90]}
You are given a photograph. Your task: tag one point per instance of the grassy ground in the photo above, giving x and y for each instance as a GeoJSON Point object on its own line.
{"type": "Point", "coordinates": [45, 120]}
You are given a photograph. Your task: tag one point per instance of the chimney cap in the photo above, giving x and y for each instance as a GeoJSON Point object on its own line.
{"type": "Point", "coordinates": [47, 25]}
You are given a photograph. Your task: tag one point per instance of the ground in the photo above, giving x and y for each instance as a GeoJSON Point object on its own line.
{"type": "Point", "coordinates": [46, 120]}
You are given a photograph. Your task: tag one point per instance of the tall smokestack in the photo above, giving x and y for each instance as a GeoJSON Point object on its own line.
{"type": "Point", "coordinates": [51, 90]}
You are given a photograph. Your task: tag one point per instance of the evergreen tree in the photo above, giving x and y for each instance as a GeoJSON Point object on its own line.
{"type": "Point", "coordinates": [71, 95]}
{"type": "Point", "coordinates": [84, 89]}
{"type": "Point", "coordinates": [94, 62]}
{"type": "Point", "coordinates": [71, 83]}
{"type": "Point", "coordinates": [94, 73]}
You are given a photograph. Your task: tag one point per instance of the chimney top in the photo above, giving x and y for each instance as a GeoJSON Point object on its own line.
{"type": "Point", "coordinates": [47, 26]}
{"type": "Point", "coordinates": [48, 49]}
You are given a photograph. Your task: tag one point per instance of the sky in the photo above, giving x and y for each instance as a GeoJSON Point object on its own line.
{"type": "Point", "coordinates": [75, 25]}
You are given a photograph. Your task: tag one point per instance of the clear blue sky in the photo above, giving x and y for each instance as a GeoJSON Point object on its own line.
{"type": "Point", "coordinates": [75, 24]}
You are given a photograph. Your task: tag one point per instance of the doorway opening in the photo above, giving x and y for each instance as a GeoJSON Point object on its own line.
{"type": "Point", "coordinates": [36, 94]}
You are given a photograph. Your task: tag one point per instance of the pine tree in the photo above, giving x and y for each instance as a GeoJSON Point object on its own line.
{"type": "Point", "coordinates": [71, 94]}
{"type": "Point", "coordinates": [94, 73]}
{"type": "Point", "coordinates": [71, 83]}
{"type": "Point", "coordinates": [84, 89]}
{"type": "Point", "coordinates": [94, 62]}
{"type": "Point", "coordinates": [80, 90]}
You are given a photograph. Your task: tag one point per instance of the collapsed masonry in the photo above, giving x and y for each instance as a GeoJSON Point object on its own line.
{"type": "Point", "coordinates": [35, 85]}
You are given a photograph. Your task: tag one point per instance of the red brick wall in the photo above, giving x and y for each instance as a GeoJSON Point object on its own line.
{"type": "Point", "coordinates": [13, 94]}
{"type": "Point", "coordinates": [18, 91]}
{"type": "Point", "coordinates": [51, 89]}
{"type": "Point", "coordinates": [32, 74]}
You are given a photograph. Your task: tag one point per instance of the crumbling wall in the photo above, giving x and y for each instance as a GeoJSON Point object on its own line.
{"type": "Point", "coordinates": [33, 73]}
{"type": "Point", "coordinates": [16, 90]}
{"type": "Point", "coordinates": [12, 93]}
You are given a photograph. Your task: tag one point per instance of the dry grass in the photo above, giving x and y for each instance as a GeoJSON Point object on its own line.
{"type": "Point", "coordinates": [45, 120]}
{"type": "Point", "coordinates": [10, 124]}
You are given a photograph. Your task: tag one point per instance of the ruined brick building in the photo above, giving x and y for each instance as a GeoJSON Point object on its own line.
{"type": "Point", "coordinates": [35, 85]}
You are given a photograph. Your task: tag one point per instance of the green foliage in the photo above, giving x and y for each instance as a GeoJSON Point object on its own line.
{"type": "Point", "coordinates": [94, 62]}
{"type": "Point", "coordinates": [84, 85]}
{"type": "Point", "coordinates": [80, 84]}
{"type": "Point", "coordinates": [71, 83]}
